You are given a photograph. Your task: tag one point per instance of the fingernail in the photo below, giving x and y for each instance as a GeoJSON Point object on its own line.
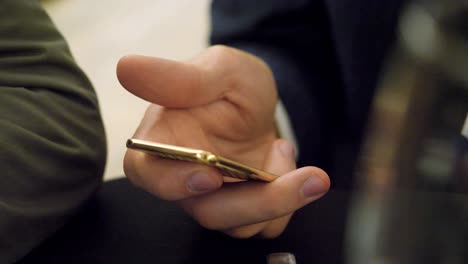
{"type": "Point", "coordinates": [313, 186]}
{"type": "Point", "coordinates": [287, 149]}
{"type": "Point", "coordinates": [200, 183]}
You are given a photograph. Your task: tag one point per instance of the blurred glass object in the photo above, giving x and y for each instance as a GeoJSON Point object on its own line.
{"type": "Point", "coordinates": [281, 258]}
{"type": "Point", "coordinates": [412, 202]}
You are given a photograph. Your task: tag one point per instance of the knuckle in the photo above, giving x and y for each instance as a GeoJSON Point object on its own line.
{"type": "Point", "coordinates": [204, 217]}
{"type": "Point", "coordinates": [271, 235]}
{"type": "Point", "coordinates": [239, 233]}
{"type": "Point", "coordinates": [276, 206]}
{"type": "Point", "coordinates": [220, 57]}
{"type": "Point", "coordinates": [206, 222]}
{"type": "Point", "coordinates": [221, 50]}
{"type": "Point", "coordinates": [274, 211]}
{"type": "Point", "coordinates": [160, 187]}
{"type": "Point", "coordinates": [156, 189]}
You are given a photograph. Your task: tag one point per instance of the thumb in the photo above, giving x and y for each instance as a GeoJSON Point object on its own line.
{"type": "Point", "coordinates": [279, 161]}
{"type": "Point", "coordinates": [166, 82]}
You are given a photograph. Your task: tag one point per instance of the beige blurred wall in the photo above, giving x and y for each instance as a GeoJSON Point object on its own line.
{"type": "Point", "coordinates": [100, 32]}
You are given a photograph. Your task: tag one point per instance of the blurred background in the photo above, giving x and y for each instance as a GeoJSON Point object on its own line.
{"type": "Point", "coordinates": [98, 36]}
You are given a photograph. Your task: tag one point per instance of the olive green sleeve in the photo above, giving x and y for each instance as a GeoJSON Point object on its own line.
{"type": "Point", "coordinates": [52, 142]}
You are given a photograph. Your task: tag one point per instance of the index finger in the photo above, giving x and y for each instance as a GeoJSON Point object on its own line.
{"type": "Point", "coordinates": [209, 77]}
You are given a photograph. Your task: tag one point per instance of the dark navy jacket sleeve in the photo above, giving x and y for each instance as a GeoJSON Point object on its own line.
{"type": "Point", "coordinates": [318, 63]}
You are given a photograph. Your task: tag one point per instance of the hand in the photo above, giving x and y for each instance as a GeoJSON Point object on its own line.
{"type": "Point", "coordinates": [221, 101]}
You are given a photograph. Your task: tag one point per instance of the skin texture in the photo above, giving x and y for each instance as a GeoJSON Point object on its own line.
{"type": "Point", "coordinates": [222, 101]}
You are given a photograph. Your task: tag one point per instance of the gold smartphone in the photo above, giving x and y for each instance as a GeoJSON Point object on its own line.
{"type": "Point", "coordinates": [227, 167]}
